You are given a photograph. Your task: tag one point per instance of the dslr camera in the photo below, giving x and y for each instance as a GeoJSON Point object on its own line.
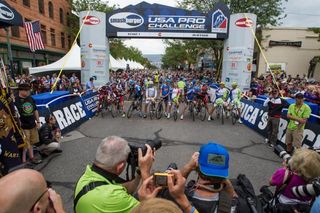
{"type": "Point", "coordinates": [282, 153]}
{"type": "Point", "coordinates": [310, 190]}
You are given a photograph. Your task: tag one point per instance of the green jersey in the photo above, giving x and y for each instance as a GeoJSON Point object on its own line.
{"type": "Point", "coordinates": [301, 112]}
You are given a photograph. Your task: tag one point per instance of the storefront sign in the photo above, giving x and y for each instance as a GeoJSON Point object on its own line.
{"type": "Point", "coordinates": [285, 43]}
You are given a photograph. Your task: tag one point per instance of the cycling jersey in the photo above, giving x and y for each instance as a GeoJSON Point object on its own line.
{"type": "Point", "coordinates": [175, 93]}
{"type": "Point", "coordinates": [223, 93]}
{"type": "Point", "coordinates": [137, 90]}
{"type": "Point", "coordinates": [181, 84]}
{"type": "Point", "coordinates": [151, 93]}
{"type": "Point", "coordinates": [190, 94]}
{"type": "Point", "coordinates": [165, 90]}
{"type": "Point", "coordinates": [212, 94]}
{"type": "Point", "coordinates": [235, 94]}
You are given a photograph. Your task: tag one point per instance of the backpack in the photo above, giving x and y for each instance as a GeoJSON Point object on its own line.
{"type": "Point", "coordinates": [247, 200]}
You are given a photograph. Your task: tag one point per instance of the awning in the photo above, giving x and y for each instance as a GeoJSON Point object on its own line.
{"type": "Point", "coordinates": [9, 16]}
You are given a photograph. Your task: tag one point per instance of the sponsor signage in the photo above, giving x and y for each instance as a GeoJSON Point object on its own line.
{"type": "Point", "coordinates": [6, 13]}
{"type": "Point", "coordinates": [244, 22]}
{"type": "Point", "coordinates": [146, 20]}
{"type": "Point", "coordinates": [72, 113]}
{"type": "Point", "coordinates": [285, 43]}
{"type": "Point", "coordinates": [91, 20]}
{"type": "Point", "coordinates": [255, 116]}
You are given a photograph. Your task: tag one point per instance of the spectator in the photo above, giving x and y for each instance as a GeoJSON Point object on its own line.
{"type": "Point", "coordinates": [75, 88]}
{"type": "Point", "coordinates": [73, 78]}
{"type": "Point", "coordinates": [29, 118]}
{"type": "Point", "coordinates": [275, 105]}
{"type": "Point", "coordinates": [29, 194]}
{"type": "Point", "coordinates": [298, 114]}
{"type": "Point", "coordinates": [316, 206]}
{"type": "Point", "coordinates": [50, 137]}
{"type": "Point", "coordinates": [115, 194]}
{"type": "Point", "coordinates": [90, 85]}
{"type": "Point", "coordinates": [212, 185]}
{"type": "Point", "coordinates": [301, 168]}
{"type": "Point", "coordinates": [157, 205]}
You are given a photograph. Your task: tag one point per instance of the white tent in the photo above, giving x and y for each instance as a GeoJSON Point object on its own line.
{"type": "Point", "coordinates": [73, 62]}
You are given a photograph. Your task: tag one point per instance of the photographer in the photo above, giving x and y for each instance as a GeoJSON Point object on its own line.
{"type": "Point", "coordinates": [100, 189]}
{"type": "Point", "coordinates": [316, 206]}
{"type": "Point", "coordinates": [300, 170]}
{"type": "Point", "coordinates": [212, 192]}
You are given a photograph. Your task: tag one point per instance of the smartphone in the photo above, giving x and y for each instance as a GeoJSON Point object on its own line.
{"type": "Point", "coordinates": [161, 179]}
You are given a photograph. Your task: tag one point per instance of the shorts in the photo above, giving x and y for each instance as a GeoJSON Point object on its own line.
{"type": "Point", "coordinates": [138, 97]}
{"type": "Point", "coordinates": [176, 100]}
{"type": "Point", "coordinates": [219, 102]}
{"type": "Point", "coordinates": [121, 99]}
{"type": "Point", "coordinates": [32, 136]}
{"type": "Point", "coordinates": [166, 99]}
{"type": "Point", "coordinates": [236, 103]}
{"type": "Point", "coordinates": [294, 137]}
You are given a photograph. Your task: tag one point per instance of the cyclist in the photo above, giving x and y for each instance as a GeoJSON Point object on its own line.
{"type": "Point", "coordinates": [190, 97]}
{"type": "Point", "coordinates": [119, 96]}
{"type": "Point", "coordinates": [151, 94]}
{"type": "Point", "coordinates": [131, 88]}
{"type": "Point", "coordinates": [103, 94]}
{"type": "Point", "coordinates": [222, 95]}
{"type": "Point", "coordinates": [235, 97]}
{"type": "Point", "coordinates": [175, 97]}
{"type": "Point", "coordinates": [181, 85]}
{"type": "Point", "coordinates": [212, 90]}
{"type": "Point", "coordinates": [201, 94]}
{"type": "Point", "coordinates": [138, 95]}
{"type": "Point", "coordinates": [165, 94]}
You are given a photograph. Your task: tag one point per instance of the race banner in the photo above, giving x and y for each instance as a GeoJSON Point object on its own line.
{"type": "Point", "coordinates": [255, 116]}
{"type": "Point", "coordinates": [90, 103]}
{"type": "Point", "coordinates": [146, 20]}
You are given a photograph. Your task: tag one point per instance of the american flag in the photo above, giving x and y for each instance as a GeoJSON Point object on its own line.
{"type": "Point", "coordinates": [33, 31]}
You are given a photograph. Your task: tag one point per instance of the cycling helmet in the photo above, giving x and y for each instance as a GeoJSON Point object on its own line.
{"type": "Point", "coordinates": [204, 88]}
{"type": "Point", "coordinates": [197, 89]}
{"type": "Point", "coordinates": [131, 82]}
{"type": "Point", "coordinates": [222, 83]}
{"type": "Point", "coordinates": [234, 84]}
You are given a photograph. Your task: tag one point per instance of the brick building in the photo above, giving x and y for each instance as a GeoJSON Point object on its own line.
{"type": "Point", "coordinates": [52, 15]}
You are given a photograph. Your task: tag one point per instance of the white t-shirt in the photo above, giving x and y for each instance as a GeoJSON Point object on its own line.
{"type": "Point", "coordinates": [151, 93]}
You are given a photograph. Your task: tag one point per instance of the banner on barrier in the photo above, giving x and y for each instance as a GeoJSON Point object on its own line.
{"type": "Point", "coordinates": [255, 116]}
{"type": "Point", "coordinates": [72, 113]}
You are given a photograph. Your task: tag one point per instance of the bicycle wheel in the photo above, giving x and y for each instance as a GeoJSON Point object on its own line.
{"type": "Point", "coordinates": [113, 110]}
{"type": "Point", "coordinates": [151, 111]}
{"type": "Point", "coordinates": [218, 112]}
{"type": "Point", "coordinates": [130, 110]}
{"type": "Point", "coordinates": [203, 113]}
{"type": "Point", "coordinates": [175, 114]}
{"type": "Point", "coordinates": [193, 114]}
{"type": "Point", "coordinates": [103, 108]}
{"type": "Point", "coordinates": [159, 111]}
{"type": "Point", "coordinates": [233, 117]}
{"type": "Point", "coordinates": [222, 115]}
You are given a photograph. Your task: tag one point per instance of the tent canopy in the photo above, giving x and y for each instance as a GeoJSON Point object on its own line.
{"type": "Point", "coordinates": [73, 62]}
{"type": "Point", "coordinates": [9, 16]}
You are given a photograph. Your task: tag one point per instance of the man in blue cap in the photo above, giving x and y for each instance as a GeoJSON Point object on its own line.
{"type": "Point", "coordinates": [212, 187]}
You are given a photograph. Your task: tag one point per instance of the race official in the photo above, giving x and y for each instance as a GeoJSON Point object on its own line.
{"type": "Point", "coordinates": [275, 105]}
{"type": "Point", "coordinates": [101, 190]}
{"type": "Point", "coordinates": [298, 114]}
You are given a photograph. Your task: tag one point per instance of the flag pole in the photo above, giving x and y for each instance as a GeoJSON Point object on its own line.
{"type": "Point", "coordinates": [9, 52]}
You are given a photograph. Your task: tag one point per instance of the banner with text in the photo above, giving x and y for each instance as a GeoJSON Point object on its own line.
{"type": "Point", "coordinates": [72, 113]}
{"type": "Point", "coordinates": [146, 20]}
{"type": "Point", "coordinates": [255, 116]}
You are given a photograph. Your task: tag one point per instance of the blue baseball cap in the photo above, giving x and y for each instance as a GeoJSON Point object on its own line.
{"type": "Point", "coordinates": [214, 160]}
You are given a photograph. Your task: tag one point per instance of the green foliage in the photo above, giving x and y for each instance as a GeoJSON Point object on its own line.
{"type": "Point", "coordinates": [117, 47]}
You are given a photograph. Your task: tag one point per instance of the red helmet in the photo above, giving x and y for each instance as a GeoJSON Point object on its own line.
{"type": "Point", "coordinates": [204, 88]}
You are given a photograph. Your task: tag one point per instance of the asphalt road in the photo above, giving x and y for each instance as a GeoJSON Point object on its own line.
{"type": "Point", "coordinates": [248, 154]}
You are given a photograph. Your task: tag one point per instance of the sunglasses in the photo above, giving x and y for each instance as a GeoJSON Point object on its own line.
{"type": "Point", "coordinates": [42, 194]}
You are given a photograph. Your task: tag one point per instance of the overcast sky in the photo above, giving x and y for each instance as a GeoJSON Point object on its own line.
{"type": "Point", "coordinates": [300, 13]}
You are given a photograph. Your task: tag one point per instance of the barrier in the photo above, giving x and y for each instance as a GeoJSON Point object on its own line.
{"type": "Point", "coordinates": [255, 116]}
{"type": "Point", "coordinates": [72, 113]}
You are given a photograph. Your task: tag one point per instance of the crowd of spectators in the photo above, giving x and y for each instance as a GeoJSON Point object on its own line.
{"type": "Point", "coordinates": [289, 86]}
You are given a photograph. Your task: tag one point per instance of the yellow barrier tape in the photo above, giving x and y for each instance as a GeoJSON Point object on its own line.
{"type": "Point", "coordinates": [263, 55]}
{"type": "Point", "coordinates": [68, 54]}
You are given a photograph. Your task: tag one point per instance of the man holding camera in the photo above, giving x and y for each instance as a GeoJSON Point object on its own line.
{"type": "Point", "coordinates": [275, 105]}
{"type": "Point", "coordinates": [100, 189]}
{"type": "Point", "coordinates": [298, 114]}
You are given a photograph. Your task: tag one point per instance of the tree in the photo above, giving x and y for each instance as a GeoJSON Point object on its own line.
{"type": "Point", "coordinates": [269, 13]}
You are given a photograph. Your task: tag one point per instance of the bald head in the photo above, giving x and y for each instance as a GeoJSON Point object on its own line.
{"type": "Point", "coordinates": [20, 190]}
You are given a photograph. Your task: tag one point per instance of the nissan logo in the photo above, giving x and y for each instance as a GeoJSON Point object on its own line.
{"type": "Point", "coordinates": [126, 20]}
{"type": "Point", "coordinates": [6, 13]}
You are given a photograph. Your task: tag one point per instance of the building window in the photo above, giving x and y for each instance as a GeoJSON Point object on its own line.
{"type": "Point", "coordinates": [15, 32]}
{"type": "Point", "coordinates": [63, 41]}
{"type": "Point", "coordinates": [61, 16]}
{"type": "Point", "coordinates": [41, 6]}
{"type": "Point", "coordinates": [69, 41]}
{"type": "Point", "coordinates": [53, 37]}
{"type": "Point", "coordinates": [68, 19]}
{"type": "Point", "coordinates": [26, 3]}
{"type": "Point", "coordinates": [44, 34]}
{"type": "Point", "coordinates": [50, 7]}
